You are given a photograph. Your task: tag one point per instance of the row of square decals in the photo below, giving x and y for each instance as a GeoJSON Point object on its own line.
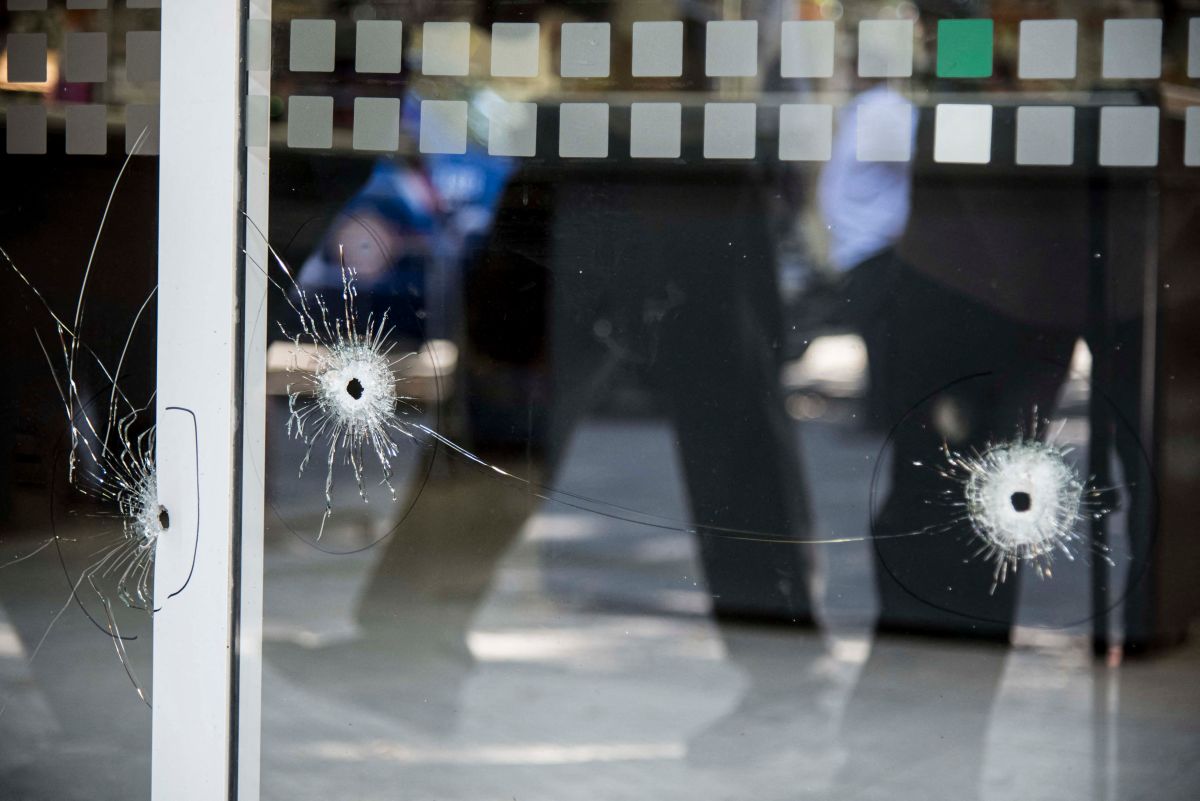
{"type": "Point", "coordinates": [1045, 134]}
{"type": "Point", "coordinates": [884, 132]}
{"type": "Point", "coordinates": [1132, 48]}
{"type": "Point", "coordinates": [85, 57]}
{"type": "Point", "coordinates": [86, 129]}
{"type": "Point", "coordinates": [40, 5]}
{"type": "Point", "coordinates": [1129, 135]}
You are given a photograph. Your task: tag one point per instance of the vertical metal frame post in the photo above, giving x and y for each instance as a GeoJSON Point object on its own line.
{"type": "Point", "coordinates": [246, 746]}
{"type": "Point", "coordinates": [206, 638]}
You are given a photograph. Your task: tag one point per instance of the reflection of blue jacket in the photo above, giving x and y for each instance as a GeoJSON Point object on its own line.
{"type": "Point", "coordinates": [469, 184]}
{"type": "Point", "coordinates": [389, 230]}
{"type": "Point", "coordinates": [406, 229]}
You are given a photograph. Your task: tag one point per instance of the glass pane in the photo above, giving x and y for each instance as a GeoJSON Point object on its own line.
{"type": "Point", "coordinates": [730, 400]}
{"type": "Point", "coordinates": [79, 91]}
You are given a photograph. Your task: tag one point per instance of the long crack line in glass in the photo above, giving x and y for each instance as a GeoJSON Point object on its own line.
{"type": "Point", "coordinates": [344, 388]}
{"type": "Point", "coordinates": [112, 463]}
{"type": "Point", "coordinates": [346, 398]}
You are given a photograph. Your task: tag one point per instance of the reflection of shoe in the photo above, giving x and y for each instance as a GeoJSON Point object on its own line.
{"type": "Point", "coordinates": [418, 684]}
{"type": "Point", "coordinates": [784, 717]}
{"type": "Point", "coordinates": [1143, 646]}
{"type": "Point", "coordinates": [758, 617]}
{"type": "Point", "coordinates": [757, 587]}
{"type": "Point", "coordinates": [901, 613]}
{"type": "Point", "coordinates": [980, 631]}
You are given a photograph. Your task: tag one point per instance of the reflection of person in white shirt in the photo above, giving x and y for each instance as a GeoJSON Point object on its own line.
{"type": "Point", "coordinates": [865, 195]}
{"type": "Point", "coordinates": [866, 203]}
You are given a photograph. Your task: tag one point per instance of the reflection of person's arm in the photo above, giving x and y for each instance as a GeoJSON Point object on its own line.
{"type": "Point", "coordinates": [865, 204]}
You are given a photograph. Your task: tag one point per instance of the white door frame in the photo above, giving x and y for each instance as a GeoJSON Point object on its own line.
{"type": "Point", "coordinates": [207, 639]}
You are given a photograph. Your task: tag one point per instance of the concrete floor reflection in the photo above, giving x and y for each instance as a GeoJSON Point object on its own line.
{"type": "Point", "coordinates": [590, 668]}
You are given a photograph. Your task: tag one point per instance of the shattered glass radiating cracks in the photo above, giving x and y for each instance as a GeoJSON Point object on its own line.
{"type": "Point", "coordinates": [346, 398]}
{"type": "Point", "coordinates": [1024, 501]}
{"type": "Point", "coordinates": [110, 462]}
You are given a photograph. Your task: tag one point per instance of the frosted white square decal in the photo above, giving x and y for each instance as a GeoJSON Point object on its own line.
{"type": "Point", "coordinates": [884, 132]}
{"type": "Point", "coordinates": [515, 49]}
{"type": "Point", "coordinates": [885, 48]}
{"type": "Point", "coordinates": [729, 130]}
{"type": "Point", "coordinates": [311, 45]}
{"type": "Point", "coordinates": [805, 132]}
{"type": "Point", "coordinates": [1128, 136]}
{"type": "Point", "coordinates": [310, 121]}
{"type": "Point", "coordinates": [87, 129]}
{"type": "Point", "coordinates": [1193, 64]}
{"type": "Point", "coordinates": [25, 126]}
{"type": "Point", "coordinates": [512, 129]}
{"type": "Point", "coordinates": [1191, 137]}
{"type": "Point", "coordinates": [731, 49]}
{"type": "Point", "coordinates": [1132, 48]}
{"type": "Point", "coordinates": [806, 49]}
{"type": "Point", "coordinates": [657, 49]}
{"type": "Point", "coordinates": [443, 126]}
{"type": "Point", "coordinates": [583, 130]}
{"type": "Point", "coordinates": [446, 48]}
{"type": "Point", "coordinates": [1046, 135]}
{"type": "Point", "coordinates": [26, 57]}
{"type": "Point", "coordinates": [1047, 49]}
{"type": "Point", "coordinates": [585, 50]}
{"type": "Point", "coordinates": [377, 46]}
{"type": "Point", "coordinates": [963, 134]}
{"type": "Point", "coordinates": [654, 130]}
{"type": "Point", "coordinates": [376, 123]}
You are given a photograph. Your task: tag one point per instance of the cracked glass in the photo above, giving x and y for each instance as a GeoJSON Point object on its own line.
{"type": "Point", "coordinates": [78, 492]}
{"type": "Point", "coordinates": [676, 400]}
{"type": "Point", "coordinates": [752, 434]}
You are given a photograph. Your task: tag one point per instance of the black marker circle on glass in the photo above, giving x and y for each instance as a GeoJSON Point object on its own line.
{"type": "Point", "coordinates": [979, 498]}
{"type": "Point", "coordinates": [291, 495]}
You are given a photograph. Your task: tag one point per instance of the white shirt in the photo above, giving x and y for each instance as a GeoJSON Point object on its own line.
{"type": "Point", "coordinates": [866, 204]}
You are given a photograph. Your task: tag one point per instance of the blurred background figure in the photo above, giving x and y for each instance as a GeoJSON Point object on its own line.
{"type": "Point", "coordinates": [865, 206]}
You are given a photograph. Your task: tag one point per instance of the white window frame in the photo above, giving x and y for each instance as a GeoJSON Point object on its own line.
{"type": "Point", "coordinates": [211, 361]}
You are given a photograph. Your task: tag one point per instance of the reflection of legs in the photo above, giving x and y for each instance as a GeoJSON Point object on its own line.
{"type": "Point", "coordinates": [786, 721]}
{"type": "Point", "coordinates": [718, 369]}
{"type": "Point", "coordinates": [445, 551]}
{"type": "Point", "coordinates": [742, 472]}
{"type": "Point", "coordinates": [679, 278]}
{"type": "Point", "coordinates": [988, 373]}
{"type": "Point", "coordinates": [440, 564]}
{"type": "Point", "coordinates": [939, 338]}
{"type": "Point", "coordinates": [868, 291]}
{"type": "Point", "coordinates": [920, 714]}
{"type": "Point", "coordinates": [1147, 623]}
{"type": "Point", "coordinates": [720, 373]}
{"type": "Point", "coordinates": [416, 608]}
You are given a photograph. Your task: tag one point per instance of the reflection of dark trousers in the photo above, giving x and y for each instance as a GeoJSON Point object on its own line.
{"type": "Point", "coordinates": [867, 290]}
{"type": "Point", "coordinates": [960, 372]}
{"type": "Point", "coordinates": [957, 371]}
{"type": "Point", "coordinates": [680, 281]}
{"type": "Point", "coordinates": [675, 281]}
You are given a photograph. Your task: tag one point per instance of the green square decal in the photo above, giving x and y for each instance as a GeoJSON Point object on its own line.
{"type": "Point", "coordinates": [964, 48]}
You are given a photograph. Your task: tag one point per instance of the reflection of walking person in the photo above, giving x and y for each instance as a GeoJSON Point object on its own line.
{"type": "Point", "coordinates": [865, 206]}
{"type": "Point", "coordinates": [673, 284]}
